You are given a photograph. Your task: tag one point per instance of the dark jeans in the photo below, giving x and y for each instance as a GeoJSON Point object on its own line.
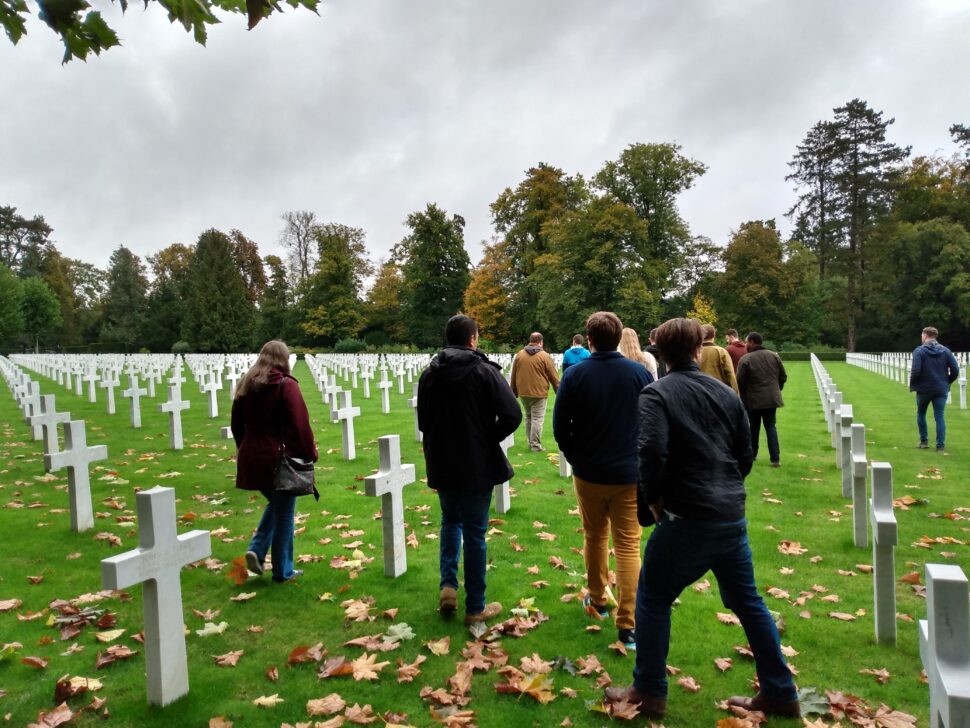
{"type": "Point", "coordinates": [756, 417]}
{"type": "Point", "coordinates": [465, 514]}
{"type": "Point", "coordinates": [923, 402]}
{"type": "Point", "coordinates": [680, 552]}
{"type": "Point", "coordinates": [275, 532]}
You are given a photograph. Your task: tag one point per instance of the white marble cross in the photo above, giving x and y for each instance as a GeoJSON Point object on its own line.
{"type": "Point", "coordinates": [400, 379]}
{"type": "Point", "coordinates": [330, 389]}
{"type": "Point", "coordinates": [30, 405]}
{"type": "Point", "coordinates": [944, 645]}
{"type": "Point", "coordinates": [884, 539]}
{"type": "Point", "coordinates": [134, 393]}
{"type": "Point", "coordinates": [212, 388]}
{"type": "Point", "coordinates": [174, 407]}
{"type": "Point", "coordinates": [150, 383]}
{"type": "Point", "coordinates": [413, 404]}
{"type": "Point", "coordinates": [108, 383]}
{"type": "Point", "coordinates": [385, 387]}
{"type": "Point", "coordinates": [860, 467]}
{"type": "Point", "coordinates": [91, 377]}
{"type": "Point", "coordinates": [76, 456]}
{"type": "Point", "coordinates": [47, 420]}
{"type": "Point", "coordinates": [334, 406]}
{"type": "Point", "coordinates": [225, 433]}
{"type": "Point", "coordinates": [843, 449]}
{"type": "Point", "coordinates": [565, 468]}
{"type": "Point", "coordinates": [389, 483]}
{"type": "Point", "coordinates": [367, 375]}
{"type": "Point", "coordinates": [346, 413]}
{"type": "Point", "coordinates": [156, 563]}
{"type": "Point", "coordinates": [503, 501]}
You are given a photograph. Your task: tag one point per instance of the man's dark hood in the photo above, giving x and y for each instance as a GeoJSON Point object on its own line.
{"type": "Point", "coordinates": [933, 348]}
{"type": "Point", "coordinates": [455, 362]}
{"type": "Point", "coordinates": [533, 350]}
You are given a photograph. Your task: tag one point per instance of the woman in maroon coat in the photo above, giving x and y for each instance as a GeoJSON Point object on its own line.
{"type": "Point", "coordinates": [268, 412]}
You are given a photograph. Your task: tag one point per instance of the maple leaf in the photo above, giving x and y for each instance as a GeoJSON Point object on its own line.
{"type": "Point", "coordinates": [408, 671]}
{"type": "Point", "coordinates": [366, 667]}
{"type": "Point", "coordinates": [734, 723]}
{"type": "Point", "coordinates": [689, 684]}
{"type": "Point", "coordinates": [329, 705]}
{"type": "Point", "coordinates": [238, 571]}
{"type": "Point", "coordinates": [399, 632]}
{"type": "Point", "coordinates": [557, 563]}
{"type": "Point", "coordinates": [912, 577]}
{"type": "Point", "coordinates": [306, 653]}
{"type": "Point", "coordinates": [723, 663]}
{"type": "Point", "coordinates": [618, 646]}
{"type": "Point", "coordinates": [48, 719]}
{"type": "Point", "coordinates": [793, 548]}
{"type": "Point", "coordinates": [272, 674]}
{"type": "Point", "coordinates": [701, 586]}
{"type": "Point", "coordinates": [535, 664]}
{"type": "Point", "coordinates": [242, 597]}
{"type": "Point", "coordinates": [439, 647]}
{"type": "Point", "coordinates": [589, 665]}
{"type": "Point", "coordinates": [268, 701]}
{"type": "Point", "coordinates": [727, 618]}
{"type": "Point", "coordinates": [842, 616]}
{"type": "Point", "coordinates": [624, 710]}
{"type": "Point", "coordinates": [882, 674]}
{"type": "Point", "coordinates": [36, 662]}
{"type": "Point", "coordinates": [335, 667]}
{"type": "Point", "coordinates": [886, 717]}
{"type": "Point", "coordinates": [229, 659]}
{"type": "Point", "coordinates": [219, 721]}
{"type": "Point", "coordinates": [7, 605]}
{"type": "Point", "coordinates": [113, 654]}
{"type": "Point", "coordinates": [360, 715]}
{"type": "Point", "coordinates": [545, 536]}
{"type": "Point", "coordinates": [461, 681]}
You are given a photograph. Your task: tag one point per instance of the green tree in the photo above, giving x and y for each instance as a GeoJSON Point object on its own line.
{"type": "Point", "coordinates": [23, 242]}
{"type": "Point", "coordinates": [434, 265]}
{"type": "Point", "coordinates": [125, 302]}
{"type": "Point", "coordinates": [56, 272]}
{"type": "Point", "coordinates": [218, 316]}
{"type": "Point", "coordinates": [334, 309]}
{"type": "Point", "coordinates": [42, 311]}
{"type": "Point", "coordinates": [385, 323]}
{"type": "Point", "coordinates": [298, 239]}
{"type": "Point", "coordinates": [648, 178]}
{"type": "Point", "coordinates": [274, 304]}
{"type": "Point", "coordinates": [246, 254]}
{"type": "Point", "coordinates": [166, 297]}
{"type": "Point", "coordinates": [817, 219]}
{"type": "Point", "coordinates": [90, 286]}
{"type": "Point", "coordinates": [84, 31]}
{"type": "Point", "coordinates": [522, 217]}
{"type": "Point", "coordinates": [11, 305]}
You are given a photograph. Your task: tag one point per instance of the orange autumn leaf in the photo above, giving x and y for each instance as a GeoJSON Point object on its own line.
{"type": "Point", "coordinates": [238, 571]}
{"type": "Point", "coordinates": [366, 667]}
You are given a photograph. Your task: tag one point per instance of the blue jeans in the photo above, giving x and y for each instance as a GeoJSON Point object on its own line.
{"type": "Point", "coordinates": [939, 404]}
{"type": "Point", "coordinates": [756, 417]}
{"type": "Point", "coordinates": [465, 513]}
{"type": "Point", "coordinates": [275, 531]}
{"type": "Point", "coordinates": [679, 553]}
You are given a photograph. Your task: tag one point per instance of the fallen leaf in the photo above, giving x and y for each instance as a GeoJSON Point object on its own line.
{"type": "Point", "coordinates": [268, 701]}
{"type": "Point", "coordinates": [329, 705]}
{"type": "Point", "coordinates": [439, 647]}
{"type": "Point", "coordinates": [229, 659]}
{"type": "Point", "coordinates": [366, 667]}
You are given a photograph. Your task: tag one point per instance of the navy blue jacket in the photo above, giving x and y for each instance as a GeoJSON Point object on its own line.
{"type": "Point", "coordinates": [934, 369]}
{"type": "Point", "coordinates": [595, 419]}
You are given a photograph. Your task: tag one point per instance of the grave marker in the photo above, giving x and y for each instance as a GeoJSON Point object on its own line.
{"type": "Point", "coordinates": [944, 645]}
{"type": "Point", "coordinates": [860, 532]}
{"type": "Point", "coordinates": [156, 563]}
{"type": "Point", "coordinates": [503, 501]}
{"type": "Point", "coordinates": [389, 483]}
{"type": "Point", "coordinates": [76, 456]}
{"type": "Point", "coordinates": [884, 539]}
{"type": "Point", "coordinates": [108, 384]}
{"type": "Point", "coordinates": [47, 420]}
{"type": "Point", "coordinates": [174, 407]}
{"type": "Point", "coordinates": [565, 469]}
{"type": "Point", "coordinates": [134, 393]}
{"type": "Point", "coordinates": [413, 404]}
{"type": "Point", "coordinates": [385, 387]}
{"type": "Point", "coordinates": [346, 413]}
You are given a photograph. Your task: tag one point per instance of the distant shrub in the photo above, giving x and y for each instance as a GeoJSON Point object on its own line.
{"type": "Point", "coordinates": [350, 346]}
{"type": "Point", "coordinates": [181, 347]}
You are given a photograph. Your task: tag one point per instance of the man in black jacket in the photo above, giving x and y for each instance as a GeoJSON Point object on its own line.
{"type": "Point", "coordinates": [465, 410]}
{"type": "Point", "coordinates": [695, 450]}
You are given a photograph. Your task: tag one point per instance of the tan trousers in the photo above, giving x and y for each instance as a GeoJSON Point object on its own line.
{"type": "Point", "coordinates": [535, 415]}
{"type": "Point", "coordinates": [611, 510]}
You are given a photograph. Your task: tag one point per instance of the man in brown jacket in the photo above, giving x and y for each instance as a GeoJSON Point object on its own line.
{"type": "Point", "coordinates": [532, 373]}
{"type": "Point", "coordinates": [761, 377]}
{"type": "Point", "coordinates": [715, 360]}
{"type": "Point", "coordinates": [735, 348]}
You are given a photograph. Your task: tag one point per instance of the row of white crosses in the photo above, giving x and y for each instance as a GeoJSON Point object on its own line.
{"type": "Point", "coordinates": [897, 366]}
{"type": "Point", "coordinates": [849, 440]}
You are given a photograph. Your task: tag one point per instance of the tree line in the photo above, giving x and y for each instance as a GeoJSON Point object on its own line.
{"type": "Point", "coordinates": [879, 248]}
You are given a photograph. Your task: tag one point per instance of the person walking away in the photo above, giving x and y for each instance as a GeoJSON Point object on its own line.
{"type": "Point", "coordinates": [268, 416]}
{"type": "Point", "coordinates": [630, 348]}
{"type": "Point", "coordinates": [934, 369]}
{"type": "Point", "coordinates": [761, 377]}
{"type": "Point", "coordinates": [575, 353]}
{"type": "Point", "coordinates": [735, 348]}
{"type": "Point", "coordinates": [465, 410]}
{"type": "Point", "coordinates": [532, 373]}
{"type": "Point", "coordinates": [652, 350]}
{"type": "Point", "coordinates": [595, 424]}
{"type": "Point", "coordinates": [715, 361]}
{"type": "Point", "coordinates": [694, 453]}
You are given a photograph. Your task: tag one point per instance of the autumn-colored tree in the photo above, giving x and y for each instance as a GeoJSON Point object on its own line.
{"type": "Point", "coordinates": [703, 311]}
{"type": "Point", "coordinates": [246, 254]}
{"type": "Point", "coordinates": [168, 292]}
{"type": "Point", "coordinates": [385, 323]}
{"type": "Point", "coordinates": [487, 296]}
{"type": "Point", "coordinates": [274, 306]}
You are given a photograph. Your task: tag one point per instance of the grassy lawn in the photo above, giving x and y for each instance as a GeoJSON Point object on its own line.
{"type": "Point", "coordinates": [801, 502]}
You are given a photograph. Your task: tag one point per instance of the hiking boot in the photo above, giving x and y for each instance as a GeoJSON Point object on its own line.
{"type": "Point", "coordinates": [252, 563]}
{"type": "Point", "coordinates": [785, 708]}
{"type": "Point", "coordinates": [652, 706]}
{"type": "Point", "coordinates": [923, 444]}
{"type": "Point", "coordinates": [628, 638]}
{"type": "Point", "coordinates": [940, 448]}
{"type": "Point", "coordinates": [776, 464]}
{"type": "Point", "coordinates": [491, 610]}
{"type": "Point", "coordinates": [593, 610]}
{"type": "Point", "coordinates": [448, 600]}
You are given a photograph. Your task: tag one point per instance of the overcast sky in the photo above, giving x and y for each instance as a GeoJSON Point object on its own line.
{"type": "Point", "coordinates": [374, 109]}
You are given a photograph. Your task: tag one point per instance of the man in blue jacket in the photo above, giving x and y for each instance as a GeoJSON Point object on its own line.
{"type": "Point", "coordinates": [934, 370]}
{"type": "Point", "coordinates": [595, 423]}
{"type": "Point", "coordinates": [575, 353]}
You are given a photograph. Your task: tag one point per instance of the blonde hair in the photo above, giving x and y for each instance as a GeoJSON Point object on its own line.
{"type": "Point", "coordinates": [273, 355]}
{"type": "Point", "coordinates": [630, 346]}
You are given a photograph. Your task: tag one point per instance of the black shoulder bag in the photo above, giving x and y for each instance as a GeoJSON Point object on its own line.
{"type": "Point", "coordinates": [293, 476]}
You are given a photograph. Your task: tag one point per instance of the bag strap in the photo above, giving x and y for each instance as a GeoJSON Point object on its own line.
{"type": "Point", "coordinates": [279, 419]}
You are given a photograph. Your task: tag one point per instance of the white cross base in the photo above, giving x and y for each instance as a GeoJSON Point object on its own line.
{"type": "Point", "coordinates": [385, 387]}
{"type": "Point", "coordinates": [860, 524]}
{"type": "Point", "coordinates": [156, 563]}
{"type": "Point", "coordinates": [944, 645]}
{"type": "Point", "coordinates": [345, 414]}
{"type": "Point", "coordinates": [565, 469]}
{"type": "Point", "coordinates": [174, 407]}
{"type": "Point", "coordinates": [884, 538]}
{"type": "Point", "coordinates": [389, 482]}
{"type": "Point", "coordinates": [503, 501]}
{"type": "Point", "coordinates": [134, 393]}
{"type": "Point", "coordinates": [76, 456]}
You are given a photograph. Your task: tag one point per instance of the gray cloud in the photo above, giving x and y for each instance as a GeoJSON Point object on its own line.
{"type": "Point", "coordinates": [373, 109]}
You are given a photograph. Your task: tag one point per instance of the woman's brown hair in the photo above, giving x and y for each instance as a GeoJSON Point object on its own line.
{"type": "Point", "coordinates": [273, 355]}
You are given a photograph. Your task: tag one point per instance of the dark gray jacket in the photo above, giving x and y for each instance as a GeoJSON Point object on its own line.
{"type": "Point", "coordinates": [934, 369]}
{"type": "Point", "coordinates": [761, 377]}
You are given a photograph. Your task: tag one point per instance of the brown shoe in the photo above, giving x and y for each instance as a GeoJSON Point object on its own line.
{"type": "Point", "coordinates": [652, 706]}
{"type": "Point", "coordinates": [787, 708]}
{"type": "Point", "coordinates": [491, 610]}
{"type": "Point", "coordinates": [448, 601]}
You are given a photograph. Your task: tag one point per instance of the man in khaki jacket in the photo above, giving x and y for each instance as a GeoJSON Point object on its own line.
{"type": "Point", "coordinates": [715, 361]}
{"type": "Point", "coordinates": [532, 373]}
